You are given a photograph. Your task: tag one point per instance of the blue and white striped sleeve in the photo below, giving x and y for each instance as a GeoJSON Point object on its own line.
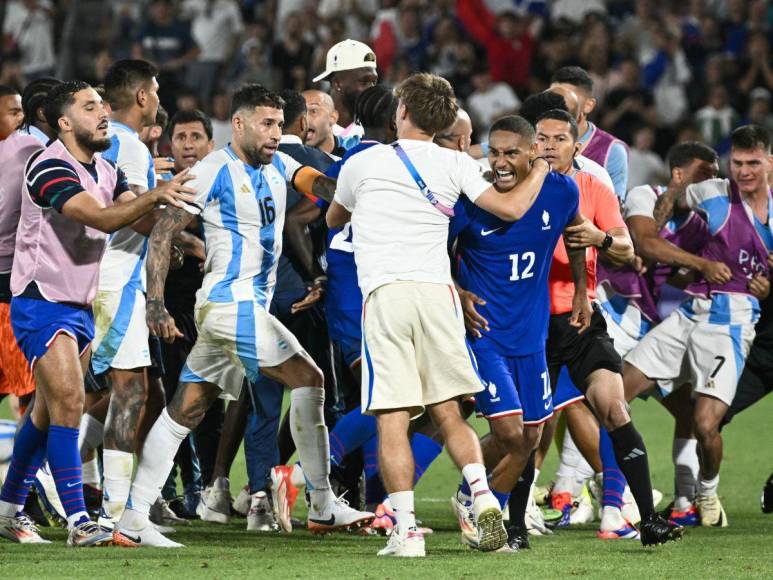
{"type": "Point", "coordinates": [711, 199]}
{"type": "Point", "coordinates": [205, 181]}
{"type": "Point", "coordinates": [617, 166]}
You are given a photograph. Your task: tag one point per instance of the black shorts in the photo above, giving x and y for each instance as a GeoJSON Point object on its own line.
{"type": "Point", "coordinates": [756, 381]}
{"type": "Point", "coordinates": [581, 353]}
{"type": "Point", "coordinates": [94, 383]}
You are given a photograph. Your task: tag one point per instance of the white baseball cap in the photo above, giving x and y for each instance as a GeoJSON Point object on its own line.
{"type": "Point", "coordinates": [347, 55]}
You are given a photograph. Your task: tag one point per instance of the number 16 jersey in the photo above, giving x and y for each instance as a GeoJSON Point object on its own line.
{"type": "Point", "coordinates": [507, 265]}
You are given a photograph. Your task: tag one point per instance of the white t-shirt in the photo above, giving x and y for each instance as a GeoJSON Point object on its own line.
{"type": "Point", "coordinates": [398, 233]}
{"type": "Point", "coordinates": [215, 28]}
{"type": "Point", "coordinates": [589, 166]}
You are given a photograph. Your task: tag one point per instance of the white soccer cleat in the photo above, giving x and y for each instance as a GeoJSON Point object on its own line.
{"type": "Point", "coordinates": [20, 529]}
{"type": "Point", "coordinates": [146, 537]}
{"type": "Point", "coordinates": [49, 498]}
{"type": "Point", "coordinates": [88, 534]}
{"type": "Point", "coordinates": [535, 519]}
{"type": "Point", "coordinates": [284, 493]}
{"type": "Point", "coordinates": [243, 501]}
{"type": "Point", "coordinates": [582, 512]}
{"type": "Point", "coordinates": [711, 511]}
{"type": "Point", "coordinates": [466, 520]}
{"type": "Point", "coordinates": [162, 515]}
{"type": "Point", "coordinates": [492, 534]}
{"type": "Point", "coordinates": [260, 516]}
{"type": "Point", "coordinates": [217, 501]}
{"type": "Point", "coordinates": [409, 545]}
{"type": "Point", "coordinates": [337, 515]}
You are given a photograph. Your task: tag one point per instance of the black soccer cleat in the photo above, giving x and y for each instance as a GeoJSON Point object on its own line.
{"type": "Point", "coordinates": [766, 501]}
{"type": "Point", "coordinates": [655, 529]}
{"type": "Point", "coordinates": [518, 538]}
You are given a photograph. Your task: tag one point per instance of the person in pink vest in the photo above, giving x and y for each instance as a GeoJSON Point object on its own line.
{"type": "Point", "coordinates": [72, 200]}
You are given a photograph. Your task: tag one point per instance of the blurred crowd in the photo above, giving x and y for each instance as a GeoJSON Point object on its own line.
{"type": "Point", "coordinates": [664, 70]}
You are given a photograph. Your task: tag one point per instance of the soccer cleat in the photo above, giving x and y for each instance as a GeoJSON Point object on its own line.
{"type": "Point", "coordinates": [20, 529]}
{"type": "Point", "coordinates": [260, 516]}
{"type": "Point", "coordinates": [711, 511]}
{"type": "Point", "coordinates": [766, 500]}
{"type": "Point", "coordinates": [243, 501]}
{"type": "Point", "coordinates": [162, 515]}
{"type": "Point", "coordinates": [88, 534]}
{"type": "Point", "coordinates": [582, 509]}
{"type": "Point", "coordinates": [92, 496]}
{"type": "Point", "coordinates": [148, 536]}
{"type": "Point", "coordinates": [409, 545]}
{"type": "Point", "coordinates": [492, 534]}
{"type": "Point", "coordinates": [466, 521]}
{"type": "Point", "coordinates": [535, 519]}
{"type": "Point", "coordinates": [337, 516]}
{"type": "Point", "coordinates": [384, 521]}
{"type": "Point", "coordinates": [688, 517]}
{"type": "Point", "coordinates": [216, 501]}
{"type": "Point", "coordinates": [105, 519]}
{"type": "Point", "coordinates": [518, 538]}
{"type": "Point", "coordinates": [542, 493]}
{"type": "Point", "coordinates": [562, 502]}
{"type": "Point", "coordinates": [45, 486]}
{"type": "Point", "coordinates": [655, 529]}
{"type": "Point", "coordinates": [627, 532]}
{"type": "Point", "coordinates": [284, 494]}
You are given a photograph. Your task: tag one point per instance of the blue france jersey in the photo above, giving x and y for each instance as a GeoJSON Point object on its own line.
{"type": "Point", "coordinates": [507, 265]}
{"type": "Point", "coordinates": [243, 210]}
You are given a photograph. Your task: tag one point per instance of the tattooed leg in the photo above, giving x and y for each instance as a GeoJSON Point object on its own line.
{"type": "Point", "coordinates": [190, 402]}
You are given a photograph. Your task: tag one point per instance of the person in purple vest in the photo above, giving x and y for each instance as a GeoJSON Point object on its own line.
{"type": "Point", "coordinates": [73, 200]}
{"type": "Point", "coordinates": [711, 332]}
{"type": "Point", "coordinates": [595, 143]}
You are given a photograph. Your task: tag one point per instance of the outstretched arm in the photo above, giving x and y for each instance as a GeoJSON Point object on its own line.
{"type": "Point", "coordinates": [314, 185]}
{"type": "Point", "coordinates": [512, 205]}
{"type": "Point", "coordinates": [664, 206]}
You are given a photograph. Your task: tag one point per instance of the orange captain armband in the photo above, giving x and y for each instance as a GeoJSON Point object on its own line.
{"type": "Point", "coordinates": [303, 182]}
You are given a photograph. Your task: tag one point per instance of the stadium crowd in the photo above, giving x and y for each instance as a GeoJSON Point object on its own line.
{"type": "Point", "coordinates": [605, 124]}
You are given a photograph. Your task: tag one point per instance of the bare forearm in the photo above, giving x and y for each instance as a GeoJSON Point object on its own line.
{"type": "Point", "coordinates": [157, 264]}
{"type": "Point", "coordinates": [113, 218]}
{"type": "Point", "coordinates": [664, 206]}
{"type": "Point", "coordinates": [189, 244]}
{"type": "Point", "coordinates": [621, 250]}
{"type": "Point", "coordinates": [324, 187]}
{"type": "Point", "coordinates": [577, 265]}
{"type": "Point", "coordinates": [300, 244]}
{"type": "Point", "coordinates": [657, 249]}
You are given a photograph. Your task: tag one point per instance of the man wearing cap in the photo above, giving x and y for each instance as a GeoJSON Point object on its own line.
{"type": "Point", "coordinates": [350, 69]}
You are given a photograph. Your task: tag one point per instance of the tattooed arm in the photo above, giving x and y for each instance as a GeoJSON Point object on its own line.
{"type": "Point", "coordinates": [581, 310]}
{"type": "Point", "coordinates": [171, 222]}
{"type": "Point", "coordinates": [313, 184]}
{"type": "Point", "coordinates": [664, 206]}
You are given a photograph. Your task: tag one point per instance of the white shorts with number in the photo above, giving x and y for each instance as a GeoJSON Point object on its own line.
{"type": "Point", "coordinates": [120, 330]}
{"type": "Point", "coordinates": [414, 349]}
{"type": "Point", "coordinates": [235, 340]}
{"type": "Point", "coordinates": [710, 356]}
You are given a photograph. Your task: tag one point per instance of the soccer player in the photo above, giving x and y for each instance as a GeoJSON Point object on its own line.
{"type": "Point", "coordinates": [595, 143]}
{"type": "Point", "coordinates": [15, 149]}
{"type": "Point", "coordinates": [459, 135]}
{"type": "Point", "coordinates": [712, 331]}
{"type": "Point", "coordinates": [240, 195]}
{"type": "Point", "coordinates": [33, 101]}
{"type": "Point", "coordinates": [502, 282]}
{"type": "Point", "coordinates": [322, 117]}
{"type": "Point", "coordinates": [399, 199]}
{"type": "Point", "coordinates": [351, 68]}
{"type": "Point", "coordinates": [592, 363]}
{"type": "Point", "coordinates": [73, 200]}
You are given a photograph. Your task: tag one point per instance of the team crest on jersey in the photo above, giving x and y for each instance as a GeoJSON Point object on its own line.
{"type": "Point", "coordinates": [545, 220]}
{"type": "Point", "coordinates": [492, 389]}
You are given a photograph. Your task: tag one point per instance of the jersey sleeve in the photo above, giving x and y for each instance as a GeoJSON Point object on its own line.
{"type": "Point", "coordinates": [617, 166]}
{"type": "Point", "coordinates": [208, 178]}
{"type": "Point", "coordinates": [121, 183]}
{"type": "Point", "coordinates": [470, 178]}
{"type": "Point", "coordinates": [347, 183]}
{"type": "Point", "coordinates": [135, 161]}
{"type": "Point", "coordinates": [53, 182]}
{"type": "Point", "coordinates": [291, 166]}
{"type": "Point", "coordinates": [463, 211]}
{"type": "Point", "coordinates": [711, 200]}
{"type": "Point", "coordinates": [640, 201]}
{"type": "Point", "coordinates": [607, 207]}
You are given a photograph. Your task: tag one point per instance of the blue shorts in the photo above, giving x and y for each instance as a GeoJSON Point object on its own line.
{"type": "Point", "coordinates": [515, 385]}
{"type": "Point", "coordinates": [565, 393]}
{"type": "Point", "coordinates": [36, 323]}
{"type": "Point", "coordinates": [345, 330]}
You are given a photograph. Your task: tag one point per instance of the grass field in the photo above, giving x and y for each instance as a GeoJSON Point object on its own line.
{"type": "Point", "coordinates": [742, 550]}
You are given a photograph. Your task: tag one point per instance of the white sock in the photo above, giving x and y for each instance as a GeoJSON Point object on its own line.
{"type": "Point", "coordinates": [307, 425]}
{"type": "Point", "coordinates": [74, 519]}
{"type": "Point", "coordinates": [297, 476]}
{"type": "Point", "coordinates": [611, 519]}
{"type": "Point", "coordinates": [156, 462]}
{"type": "Point", "coordinates": [475, 474]}
{"type": "Point", "coordinates": [573, 470]}
{"type": "Point", "coordinates": [9, 510]}
{"type": "Point", "coordinates": [89, 434]}
{"type": "Point", "coordinates": [686, 472]}
{"type": "Point", "coordinates": [402, 506]}
{"type": "Point", "coordinates": [90, 470]}
{"type": "Point", "coordinates": [117, 468]}
{"type": "Point", "coordinates": [536, 476]}
{"type": "Point", "coordinates": [708, 486]}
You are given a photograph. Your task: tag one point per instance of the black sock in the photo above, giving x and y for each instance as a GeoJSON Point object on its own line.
{"type": "Point", "coordinates": [520, 495]}
{"type": "Point", "coordinates": [631, 455]}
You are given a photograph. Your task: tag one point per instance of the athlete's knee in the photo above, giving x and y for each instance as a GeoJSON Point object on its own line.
{"type": "Point", "coordinates": [615, 415]}
{"type": "Point", "coordinates": [531, 436]}
{"type": "Point", "coordinates": [706, 427]}
{"type": "Point", "coordinates": [509, 434]}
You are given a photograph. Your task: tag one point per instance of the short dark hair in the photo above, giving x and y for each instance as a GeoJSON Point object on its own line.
{"type": "Point", "coordinates": [33, 97]}
{"type": "Point", "coordinates": [514, 124]}
{"type": "Point", "coordinates": [294, 107]}
{"type": "Point", "coordinates": [682, 154]}
{"type": "Point", "coordinates": [254, 95]}
{"type": "Point", "coordinates": [750, 137]}
{"type": "Point", "coordinates": [376, 107]}
{"type": "Point", "coordinates": [162, 117]}
{"type": "Point", "coordinates": [6, 91]}
{"type": "Point", "coordinates": [561, 115]}
{"type": "Point", "coordinates": [124, 78]}
{"type": "Point", "coordinates": [540, 103]}
{"type": "Point", "coordinates": [59, 98]}
{"type": "Point", "coordinates": [575, 76]}
{"type": "Point", "coordinates": [193, 116]}
{"type": "Point", "coordinates": [429, 100]}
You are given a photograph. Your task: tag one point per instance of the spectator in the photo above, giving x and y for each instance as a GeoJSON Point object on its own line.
{"type": "Point", "coordinates": [630, 104]}
{"type": "Point", "coordinates": [760, 109]}
{"type": "Point", "coordinates": [216, 26]}
{"type": "Point", "coordinates": [635, 34]}
{"type": "Point", "coordinates": [292, 55]}
{"type": "Point", "coordinates": [575, 10]}
{"type": "Point", "coordinates": [646, 167]}
{"type": "Point", "coordinates": [489, 101]}
{"type": "Point", "coordinates": [756, 64]}
{"type": "Point", "coordinates": [255, 57]}
{"type": "Point", "coordinates": [221, 120]}
{"type": "Point", "coordinates": [666, 74]}
{"type": "Point", "coordinates": [717, 119]}
{"type": "Point", "coordinates": [28, 29]}
{"type": "Point", "coordinates": [357, 17]}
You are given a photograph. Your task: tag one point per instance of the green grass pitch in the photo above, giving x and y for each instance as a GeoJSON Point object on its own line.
{"type": "Point", "coordinates": [744, 549]}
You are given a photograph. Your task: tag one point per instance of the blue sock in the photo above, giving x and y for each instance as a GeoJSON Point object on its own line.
{"type": "Point", "coordinates": [65, 462]}
{"type": "Point", "coordinates": [425, 451]}
{"type": "Point", "coordinates": [502, 498]}
{"type": "Point", "coordinates": [614, 480]}
{"type": "Point", "coordinates": [29, 451]}
{"type": "Point", "coordinates": [350, 433]}
{"type": "Point", "coordinates": [464, 488]}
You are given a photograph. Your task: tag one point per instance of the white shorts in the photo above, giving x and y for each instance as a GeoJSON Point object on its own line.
{"type": "Point", "coordinates": [414, 348]}
{"type": "Point", "coordinates": [235, 340]}
{"type": "Point", "coordinates": [707, 355]}
{"type": "Point", "coordinates": [120, 333]}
